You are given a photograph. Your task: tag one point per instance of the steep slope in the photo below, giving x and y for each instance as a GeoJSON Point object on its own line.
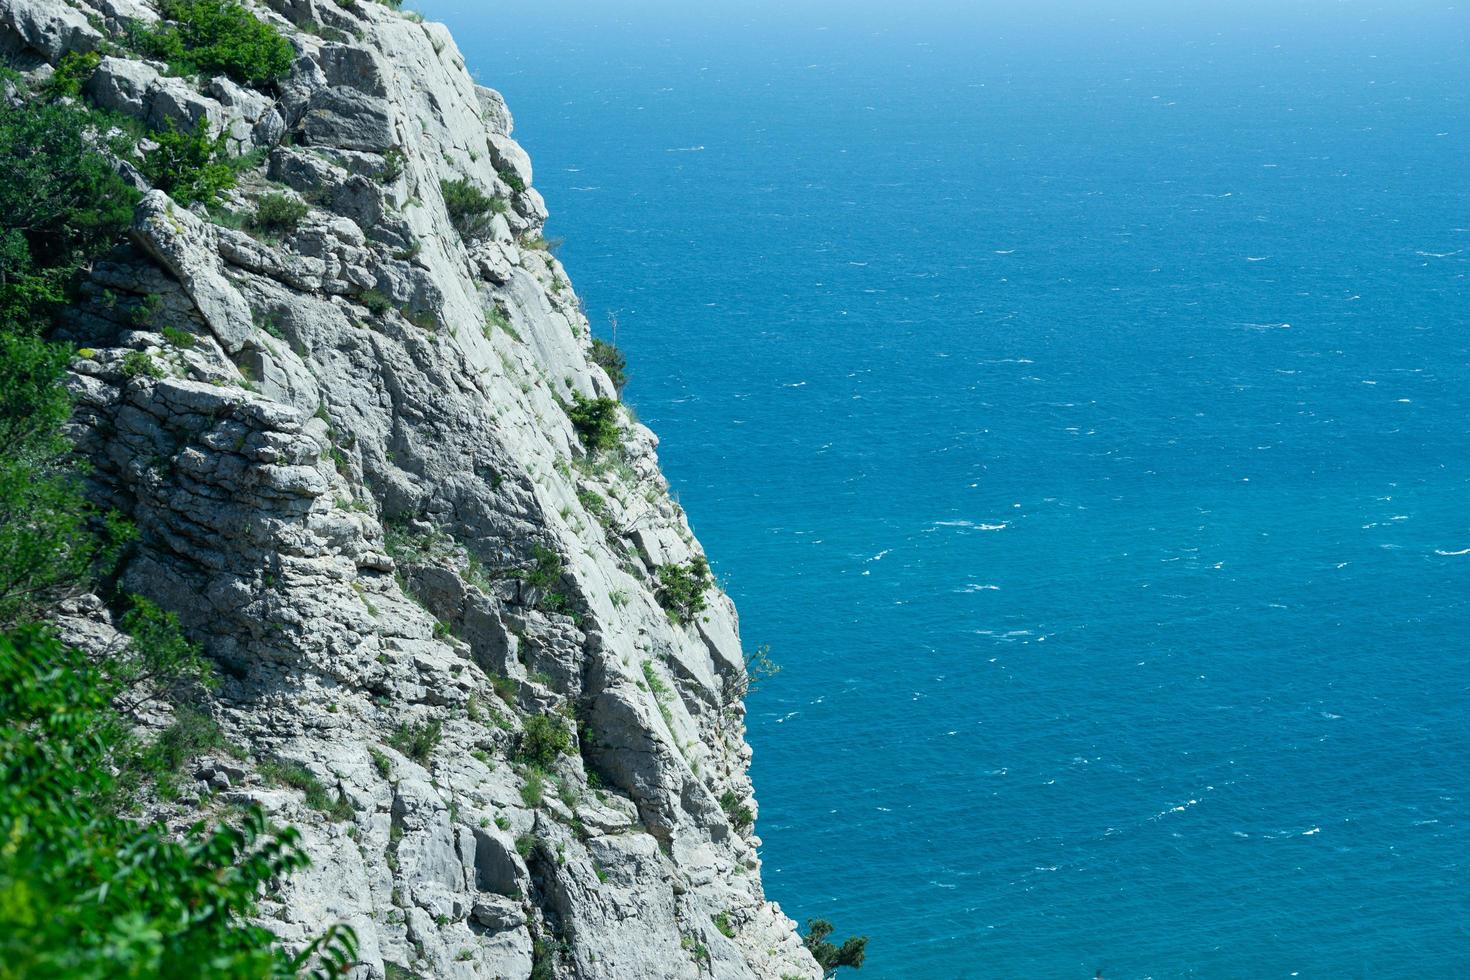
{"type": "Point", "coordinates": [355, 476]}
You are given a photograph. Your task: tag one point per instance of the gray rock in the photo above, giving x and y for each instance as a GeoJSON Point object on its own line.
{"type": "Point", "coordinates": [47, 27]}
{"type": "Point", "coordinates": [339, 488]}
{"type": "Point", "coordinates": [186, 247]}
{"type": "Point", "coordinates": [349, 119]}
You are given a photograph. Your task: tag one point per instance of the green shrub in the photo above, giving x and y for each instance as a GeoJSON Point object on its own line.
{"type": "Point", "coordinates": [140, 364]}
{"type": "Point", "coordinates": [72, 72]}
{"type": "Point", "coordinates": [722, 923]}
{"type": "Point", "coordinates": [417, 741]}
{"type": "Point", "coordinates": [594, 502]}
{"type": "Point", "coordinates": [86, 892]}
{"type": "Point", "coordinates": [547, 571]}
{"type": "Point", "coordinates": [48, 548]}
{"type": "Point", "coordinates": [295, 775]}
{"type": "Point", "coordinates": [381, 762]}
{"type": "Point", "coordinates": [278, 214]}
{"type": "Point", "coordinates": [611, 360]}
{"type": "Point", "coordinates": [158, 660]}
{"type": "Point", "coordinates": [191, 734]}
{"type": "Point", "coordinates": [189, 167]}
{"type": "Point", "coordinates": [62, 205]}
{"type": "Point", "coordinates": [377, 304]}
{"type": "Point", "coordinates": [533, 791]}
{"type": "Point", "coordinates": [525, 844]}
{"type": "Point", "coordinates": [681, 588]}
{"type": "Point", "coordinates": [212, 36]}
{"type": "Point", "coordinates": [544, 739]}
{"type": "Point", "coordinates": [596, 422]}
{"type": "Point", "coordinates": [394, 163]}
{"type": "Point", "coordinates": [470, 209]}
{"type": "Point", "coordinates": [736, 812]}
{"type": "Point", "coordinates": [505, 687]}
{"type": "Point", "coordinates": [512, 180]}
{"type": "Point", "coordinates": [179, 338]}
{"type": "Point", "coordinates": [497, 317]}
{"type": "Point", "coordinates": [829, 957]}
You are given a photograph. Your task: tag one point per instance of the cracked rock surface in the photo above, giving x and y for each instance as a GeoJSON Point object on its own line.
{"type": "Point", "coordinates": [356, 481]}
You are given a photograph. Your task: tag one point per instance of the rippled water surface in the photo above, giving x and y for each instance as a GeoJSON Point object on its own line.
{"type": "Point", "coordinates": [1081, 412]}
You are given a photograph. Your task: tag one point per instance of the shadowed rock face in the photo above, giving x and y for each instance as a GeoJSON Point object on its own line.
{"type": "Point", "coordinates": [360, 489]}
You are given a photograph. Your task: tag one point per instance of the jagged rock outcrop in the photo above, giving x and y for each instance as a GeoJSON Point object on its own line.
{"type": "Point", "coordinates": [348, 454]}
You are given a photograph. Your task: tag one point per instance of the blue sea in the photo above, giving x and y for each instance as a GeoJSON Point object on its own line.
{"type": "Point", "coordinates": [1077, 402]}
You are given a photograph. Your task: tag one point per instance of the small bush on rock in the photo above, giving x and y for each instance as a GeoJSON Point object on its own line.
{"type": "Point", "coordinates": [829, 957]}
{"type": "Point", "coordinates": [543, 740]}
{"type": "Point", "coordinates": [596, 422]}
{"type": "Point", "coordinates": [140, 364]}
{"type": "Point", "coordinates": [736, 812]}
{"type": "Point", "coordinates": [189, 166]}
{"type": "Point", "coordinates": [72, 71]}
{"type": "Point", "coordinates": [216, 36]}
{"type": "Point", "coordinates": [417, 741]}
{"type": "Point", "coordinates": [512, 180]}
{"type": "Point", "coordinates": [681, 588]}
{"type": "Point", "coordinates": [62, 205]}
{"type": "Point", "coordinates": [278, 214]}
{"type": "Point", "coordinates": [470, 209]}
{"type": "Point", "coordinates": [611, 360]}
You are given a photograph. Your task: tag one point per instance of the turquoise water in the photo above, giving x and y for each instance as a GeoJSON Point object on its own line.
{"type": "Point", "coordinates": [1081, 410]}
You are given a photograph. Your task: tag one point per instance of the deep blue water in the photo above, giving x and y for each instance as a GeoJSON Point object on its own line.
{"type": "Point", "coordinates": [1080, 409]}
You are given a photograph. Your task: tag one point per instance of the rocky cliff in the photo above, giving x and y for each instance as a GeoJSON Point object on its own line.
{"type": "Point", "coordinates": [348, 451]}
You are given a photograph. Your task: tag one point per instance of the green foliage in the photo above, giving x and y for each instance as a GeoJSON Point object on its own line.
{"type": "Point", "coordinates": [759, 668]}
{"type": "Point", "coordinates": [495, 317]}
{"type": "Point", "coordinates": [545, 576]}
{"type": "Point", "coordinates": [158, 660]}
{"type": "Point", "coordinates": [62, 205]}
{"type": "Point", "coordinates": [48, 548]}
{"type": "Point", "coordinates": [547, 571]}
{"type": "Point", "coordinates": [209, 36]}
{"type": "Point", "coordinates": [179, 338]}
{"type": "Point", "coordinates": [417, 741]}
{"type": "Point", "coordinates": [655, 683]}
{"type": "Point", "coordinates": [681, 588]}
{"type": "Point", "coordinates": [512, 180]}
{"type": "Point", "coordinates": [72, 72]}
{"type": "Point", "coordinates": [189, 166]}
{"type": "Point", "coordinates": [381, 762]}
{"type": "Point", "coordinates": [87, 894]}
{"type": "Point", "coordinates": [286, 772]}
{"type": "Point", "coordinates": [830, 957]}
{"type": "Point", "coordinates": [525, 844]}
{"type": "Point", "coordinates": [394, 163]}
{"type": "Point", "coordinates": [736, 811]}
{"type": "Point", "coordinates": [594, 502]}
{"type": "Point", "coordinates": [140, 364]}
{"type": "Point", "coordinates": [377, 304]}
{"type": "Point", "coordinates": [533, 791]}
{"type": "Point", "coordinates": [544, 738]}
{"type": "Point", "coordinates": [505, 687]}
{"type": "Point", "coordinates": [722, 923]}
{"type": "Point", "coordinates": [611, 360]}
{"type": "Point", "coordinates": [596, 422]}
{"type": "Point", "coordinates": [278, 214]}
{"type": "Point", "coordinates": [470, 209]}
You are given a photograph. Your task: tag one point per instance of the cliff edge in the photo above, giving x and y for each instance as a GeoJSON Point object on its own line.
{"type": "Point", "coordinates": [466, 640]}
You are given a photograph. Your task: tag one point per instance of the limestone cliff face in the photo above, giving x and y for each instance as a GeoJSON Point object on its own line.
{"type": "Point", "coordinates": [359, 486]}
